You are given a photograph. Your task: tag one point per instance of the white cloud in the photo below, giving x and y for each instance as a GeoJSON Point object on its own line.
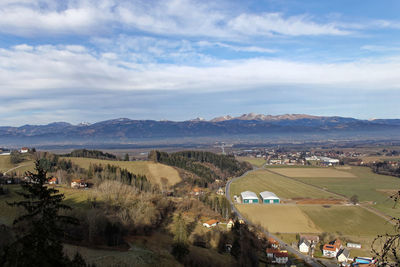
{"type": "Point", "coordinates": [237, 48]}
{"type": "Point", "coordinates": [58, 68]}
{"type": "Point", "coordinates": [380, 48]}
{"type": "Point", "coordinates": [170, 17]}
{"type": "Point", "coordinates": [268, 24]}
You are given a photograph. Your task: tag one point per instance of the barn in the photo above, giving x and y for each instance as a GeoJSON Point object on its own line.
{"type": "Point", "coordinates": [269, 197]}
{"type": "Point", "coordinates": [249, 197]}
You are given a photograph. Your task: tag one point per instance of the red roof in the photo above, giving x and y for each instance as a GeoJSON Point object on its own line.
{"type": "Point", "coordinates": [272, 241]}
{"type": "Point", "coordinates": [53, 179]}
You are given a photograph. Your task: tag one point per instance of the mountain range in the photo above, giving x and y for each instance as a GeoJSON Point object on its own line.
{"type": "Point", "coordinates": [246, 127]}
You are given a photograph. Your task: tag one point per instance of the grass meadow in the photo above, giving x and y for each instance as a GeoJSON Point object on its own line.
{"type": "Point", "coordinates": [258, 162]}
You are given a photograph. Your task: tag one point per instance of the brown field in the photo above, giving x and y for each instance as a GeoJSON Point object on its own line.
{"type": "Point", "coordinates": [279, 218]}
{"type": "Point", "coordinates": [319, 201]}
{"type": "Point", "coordinates": [153, 171]}
{"type": "Point", "coordinates": [313, 172]}
{"type": "Point", "coordinates": [343, 168]}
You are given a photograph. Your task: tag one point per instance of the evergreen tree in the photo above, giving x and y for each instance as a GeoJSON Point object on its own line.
{"type": "Point", "coordinates": [180, 247]}
{"type": "Point", "coordinates": [126, 158]}
{"type": "Point", "coordinates": [40, 229]}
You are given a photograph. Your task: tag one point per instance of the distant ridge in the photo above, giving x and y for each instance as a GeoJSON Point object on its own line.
{"type": "Point", "coordinates": [247, 127]}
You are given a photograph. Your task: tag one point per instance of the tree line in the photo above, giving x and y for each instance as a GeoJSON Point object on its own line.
{"type": "Point", "coordinates": [206, 165]}
{"type": "Point", "coordinates": [94, 154]}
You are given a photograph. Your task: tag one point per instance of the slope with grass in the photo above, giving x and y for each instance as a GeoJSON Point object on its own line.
{"type": "Point", "coordinates": [20, 168]}
{"type": "Point", "coordinates": [263, 180]}
{"type": "Point", "coordinates": [153, 171]}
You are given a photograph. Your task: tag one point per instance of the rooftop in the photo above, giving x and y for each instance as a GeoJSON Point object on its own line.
{"type": "Point", "coordinates": [249, 194]}
{"type": "Point", "coordinates": [267, 194]}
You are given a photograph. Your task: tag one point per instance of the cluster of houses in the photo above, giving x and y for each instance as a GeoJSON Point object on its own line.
{"type": "Point", "coordinates": [275, 254]}
{"type": "Point", "coordinates": [213, 223]}
{"type": "Point", "coordinates": [334, 249]}
{"type": "Point", "coordinates": [6, 152]}
{"type": "Point", "coordinates": [248, 197]}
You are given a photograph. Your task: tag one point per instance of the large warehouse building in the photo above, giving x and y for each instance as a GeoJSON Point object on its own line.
{"type": "Point", "coordinates": [249, 197]}
{"type": "Point", "coordinates": [269, 197]}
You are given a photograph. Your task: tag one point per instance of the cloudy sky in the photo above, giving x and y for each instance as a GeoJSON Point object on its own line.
{"type": "Point", "coordinates": [92, 60]}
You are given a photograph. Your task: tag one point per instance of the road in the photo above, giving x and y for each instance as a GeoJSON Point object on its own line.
{"type": "Point", "coordinates": [287, 247]}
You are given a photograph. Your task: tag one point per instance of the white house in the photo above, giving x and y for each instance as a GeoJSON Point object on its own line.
{"type": "Point", "coordinates": [230, 224]}
{"type": "Point", "coordinates": [330, 251]}
{"type": "Point", "coordinates": [304, 246]}
{"type": "Point", "coordinates": [269, 197]}
{"type": "Point", "coordinates": [24, 150]}
{"type": "Point", "coordinates": [343, 255]}
{"type": "Point", "coordinates": [249, 197]}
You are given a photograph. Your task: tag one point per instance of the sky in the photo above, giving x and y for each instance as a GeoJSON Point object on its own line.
{"type": "Point", "coordinates": [93, 60]}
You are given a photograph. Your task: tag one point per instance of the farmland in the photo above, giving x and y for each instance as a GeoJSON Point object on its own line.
{"type": "Point", "coordinates": [263, 180]}
{"type": "Point", "coordinates": [368, 186]}
{"type": "Point", "coordinates": [313, 172]}
{"type": "Point", "coordinates": [279, 218]}
{"type": "Point", "coordinates": [258, 162]}
{"type": "Point", "coordinates": [153, 171]}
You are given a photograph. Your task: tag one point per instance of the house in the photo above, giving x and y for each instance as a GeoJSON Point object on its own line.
{"type": "Point", "coordinates": [78, 183]}
{"type": "Point", "coordinates": [271, 251]}
{"type": "Point", "coordinates": [211, 223]}
{"type": "Point", "coordinates": [220, 191]}
{"type": "Point", "coordinates": [273, 242]}
{"type": "Point", "coordinates": [269, 197]}
{"type": "Point", "coordinates": [281, 257]}
{"type": "Point", "coordinates": [24, 150]}
{"type": "Point", "coordinates": [353, 245]}
{"type": "Point", "coordinates": [197, 191]}
{"type": "Point", "coordinates": [230, 224]}
{"type": "Point", "coordinates": [304, 246]}
{"type": "Point", "coordinates": [330, 251]}
{"type": "Point", "coordinates": [311, 238]}
{"type": "Point", "coordinates": [53, 181]}
{"type": "Point", "coordinates": [337, 243]}
{"type": "Point", "coordinates": [343, 255]}
{"type": "Point", "coordinates": [249, 197]}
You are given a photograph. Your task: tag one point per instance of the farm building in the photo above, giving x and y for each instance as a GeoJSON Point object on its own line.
{"type": "Point", "coordinates": [78, 183]}
{"type": "Point", "coordinates": [24, 150]}
{"type": "Point", "coordinates": [230, 224]}
{"type": "Point", "coordinates": [53, 180]}
{"type": "Point", "coordinates": [269, 197]}
{"type": "Point", "coordinates": [249, 197]}
{"type": "Point", "coordinates": [353, 245]}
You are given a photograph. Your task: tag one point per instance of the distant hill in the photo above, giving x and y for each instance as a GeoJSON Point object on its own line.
{"type": "Point", "coordinates": [245, 127]}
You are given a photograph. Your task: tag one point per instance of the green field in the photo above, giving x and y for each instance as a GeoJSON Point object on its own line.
{"type": "Point", "coordinates": [347, 220]}
{"type": "Point", "coordinates": [258, 162]}
{"type": "Point", "coordinates": [263, 180]}
{"type": "Point", "coordinates": [76, 198]}
{"type": "Point", "coordinates": [153, 171]}
{"type": "Point", "coordinates": [26, 165]}
{"type": "Point", "coordinates": [368, 186]}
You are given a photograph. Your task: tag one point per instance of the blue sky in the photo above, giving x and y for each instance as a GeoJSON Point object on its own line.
{"type": "Point", "coordinates": [92, 60]}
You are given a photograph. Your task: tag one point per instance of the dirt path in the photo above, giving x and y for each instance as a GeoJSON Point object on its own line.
{"type": "Point", "coordinates": [19, 166]}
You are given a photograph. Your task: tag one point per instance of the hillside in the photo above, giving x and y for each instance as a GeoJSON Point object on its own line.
{"type": "Point", "coordinates": [153, 171]}
{"type": "Point", "coordinates": [247, 126]}
{"type": "Point", "coordinates": [208, 167]}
